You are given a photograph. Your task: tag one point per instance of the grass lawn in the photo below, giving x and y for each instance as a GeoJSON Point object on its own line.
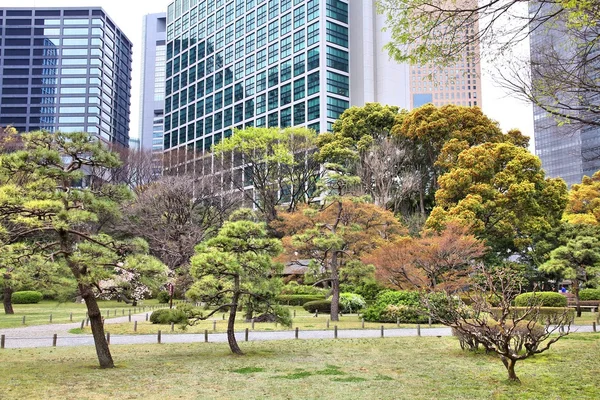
{"type": "Point", "coordinates": [393, 368]}
{"type": "Point", "coordinates": [39, 314]}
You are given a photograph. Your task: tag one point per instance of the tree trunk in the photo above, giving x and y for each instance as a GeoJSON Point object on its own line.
{"type": "Point", "coordinates": [95, 315]}
{"type": "Point", "coordinates": [510, 367]}
{"type": "Point", "coordinates": [233, 345]}
{"type": "Point", "coordinates": [8, 308]}
{"type": "Point", "coordinates": [576, 293]}
{"type": "Point", "coordinates": [422, 201]}
{"type": "Point", "coordinates": [335, 288]}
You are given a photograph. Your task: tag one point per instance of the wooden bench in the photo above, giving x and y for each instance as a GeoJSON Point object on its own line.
{"type": "Point", "coordinates": [590, 308]}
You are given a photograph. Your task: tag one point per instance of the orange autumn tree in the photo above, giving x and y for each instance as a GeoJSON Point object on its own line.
{"type": "Point", "coordinates": [335, 236]}
{"type": "Point", "coordinates": [437, 260]}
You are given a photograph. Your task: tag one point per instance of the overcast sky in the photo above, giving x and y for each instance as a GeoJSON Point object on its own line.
{"type": "Point", "coordinates": [127, 14]}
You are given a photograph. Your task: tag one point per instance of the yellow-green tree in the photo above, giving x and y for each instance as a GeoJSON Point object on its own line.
{"type": "Point", "coordinates": [500, 191]}
{"type": "Point", "coordinates": [584, 201]}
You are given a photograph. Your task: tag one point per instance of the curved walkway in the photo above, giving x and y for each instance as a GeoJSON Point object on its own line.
{"type": "Point", "coordinates": [42, 335]}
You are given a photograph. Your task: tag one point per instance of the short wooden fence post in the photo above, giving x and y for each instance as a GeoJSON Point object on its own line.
{"type": "Point", "coordinates": [382, 328]}
{"type": "Point", "coordinates": [2, 341]}
{"type": "Point", "coordinates": [159, 336]}
{"type": "Point", "coordinates": [296, 332]}
{"type": "Point", "coordinates": [335, 333]}
{"type": "Point", "coordinates": [214, 325]}
{"type": "Point", "coordinates": [50, 318]}
{"type": "Point", "coordinates": [418, 329]}
{"type": "Point", "coordinates": [23, 319]}
{"type": "Point", "coordinates": [206, 335]}
{"type": "Point", "coordinates": [172, 326]}
{"type": "Point", "coordinates": [108, 338]}
{"type": "Point", "coordinates": [54, 340]}
{"type": "Point", "coordinates": [246, 336]}
{"type": "Point", "coordinates": [82, 323]}
{"type": "Point", "coordinates": [135, 326]}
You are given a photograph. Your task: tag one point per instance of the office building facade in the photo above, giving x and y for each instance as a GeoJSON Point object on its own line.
{"type": "Point", "coordinates": [263, 63]}
{"type": "Point", "coordinates": [65, 69]}
{"type": "Point", "coordinates": [567, 151]}
{"type": "Point", "coordinates": [152, 99]}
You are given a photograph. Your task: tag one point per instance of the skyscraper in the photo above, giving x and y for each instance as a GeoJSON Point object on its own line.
{"type": "Point", "coordinates": [66, 69]}
{"type": "Point", "coordinates": [568, 150]}
{"type": "Point", "coordinates": [152, 102]}
{"type": "Point", "coordinates": [459, 83]}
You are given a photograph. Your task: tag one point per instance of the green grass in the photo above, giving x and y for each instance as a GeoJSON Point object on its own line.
{"type": "Point", "coordinates": [393, 368]}
{"type": "Point", "coordinates": [39, 314]}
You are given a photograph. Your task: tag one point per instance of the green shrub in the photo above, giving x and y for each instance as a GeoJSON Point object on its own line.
{"type": "Point", "coordinates": [323, 306]}
{"type": "Point", "coordinates": [543, 299]}
{"type": "Point", "coordinates": [553, 314]}
{"type": "Point", "coordinates": [351, 302]}
{"type": "Point", "coordinates": [391, 306]}
{"type": "Point", "coordinates": [368, 290]}
{"type": "Point", "coordinates": [166, 316]}
{"type": "Point", "coordinates": [589, 294]}
{"type": "Point", "coordinates": [163, 297]}
{"type": "Point", "coordinates": [293, 288]}
{"type": "Point", "coordinates": [298, 299]}
{"type": "Point", "coordinates": [27, 297]}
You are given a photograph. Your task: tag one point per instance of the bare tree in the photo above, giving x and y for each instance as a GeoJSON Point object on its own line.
{"type": "Point", "coordinates": [176, 213]}
{"type": "Point", "coordinates": [513, 333]}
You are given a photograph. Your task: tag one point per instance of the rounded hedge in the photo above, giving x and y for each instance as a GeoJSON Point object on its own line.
{"type": "Point", "coordinates": [589, 294]}
{"type": "Point", "coordinates": [542, 299]}
{"type": "Point", "coordinates": [166, 316]}
{"type": "Point", "coordinates": [392, 306]}
{"type": "Point", "coordinates": [322, 306]}
{"type": "Point", "coordinates": [27, 297]}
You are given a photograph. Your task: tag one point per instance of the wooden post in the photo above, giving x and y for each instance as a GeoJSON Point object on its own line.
{"type": "Point", "coordinates": [418, 329]}
{"type": "Point", "coordinates": [108, 338]}
{"type": "Point", "coordinates": [246, 336]}
{"type": "Point", "coordinates": [335, 332]}
{"type": "Point", "coordinates": [87, 321]}
{"type": "Point", "coordinates": [159, 336]}
{"type": "Point", "coordinates": [135, 326]}
{"type": "Point", "coordinates": [223, 317]}
{"type": "Point", "coordinates": [82, 323]}
{"type": "Point", "coordinates": [214, 324]}
{"type": "Point", "coordinates": [296, 332]}
{"type": "Point", "coordinates": [316, 313]}
{"type": "Point", "coordinates": [2, 341]}
{"type": "Point", "coordinates": [363, 323]}
{"type": "Point", "coordinates": [129, 315]}
{"type": "Point", "coordinates": [430, 321]}
{"type": "Point", "coordinates": [23, 319]}
{"type": "Point", "coordinates": [252, 323]}
{"type": "Point", "coordinates": [71, 317]}
{"type": "Point", "coordinates": [594, 326]}
{"type": "Point", "coordinates": [123, 311]}
{"type": "Point", "coordinates": [398, 322]}
{"type": "Point", "coordinates": [172, 326]}
{"type": "Point", "coordinates": [327, 323]}
{"type": "Point", "coordinates": [382, 328]}
{"type": "Point", "coordinates": [294, 313]}
{"type": "Point", "coordinates": [54, 340]}
{"type": "Point", "coordinates": [206, 335]}
{"type": "Point", "coordinates": [50, 317]}
{"type": "Point", "coordinates": [146, 316]}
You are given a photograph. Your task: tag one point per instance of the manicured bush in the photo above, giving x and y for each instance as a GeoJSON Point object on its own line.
{"type": "Point", "coordinates": [589, 294]}
{"type": "Point", "coordinates": [545, 313]}
{"type": "Point", "coordinates": [166, 316]}
{"type": "Point", "coordinates": [543, 299]}
{"type": "Point", "coordinates": [297, 299]}
{"type": "Point", "coordinates": [293, 288]}
{"type": "Point", "coordinates": [27, 297]}
{"type": "Point", "coordinates": [322, 306]}
{"type": "Point", "coordinates": [163, 297]}
{"type": "Point", "coordinates": [391, 306]}
{"type": "Point", "coordinates": [351, 302]}
{"type": "Point", "coordinates": [368, 290]}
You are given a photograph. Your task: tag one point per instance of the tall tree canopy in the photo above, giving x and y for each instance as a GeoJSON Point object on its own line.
{"type": "Point", "coordinates": [584, 201]}
{"type": "Point", "coordinates": [499, 189]}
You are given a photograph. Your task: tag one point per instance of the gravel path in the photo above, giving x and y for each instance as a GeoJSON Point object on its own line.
{"type": "Point", "coordinates": [41, 336]}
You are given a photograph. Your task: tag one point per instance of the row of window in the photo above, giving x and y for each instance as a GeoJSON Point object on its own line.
{"type": "Point", "coordinates": [296, 114]}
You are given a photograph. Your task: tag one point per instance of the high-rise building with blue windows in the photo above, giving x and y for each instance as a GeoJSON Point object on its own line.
{"type": "Point", "coordinates": [269, 63]}
{"type": "Point", "coordinates": [66, 69]}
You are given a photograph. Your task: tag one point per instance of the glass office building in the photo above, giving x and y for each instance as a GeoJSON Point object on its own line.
{"type": "Point", "coordinates": [66, 69]}
{"type": "Point", "coordinates": [240, 63]}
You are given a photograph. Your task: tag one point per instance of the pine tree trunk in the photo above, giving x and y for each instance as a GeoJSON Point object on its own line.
{"type": "Point", "coordinates": [233, 345]}
{"type": "Point", "coordinates": [335, 288]}
{"type": "Point", "coordinates": [8, 308]}
{"type": "Point", "coordinates": [95, 315]}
